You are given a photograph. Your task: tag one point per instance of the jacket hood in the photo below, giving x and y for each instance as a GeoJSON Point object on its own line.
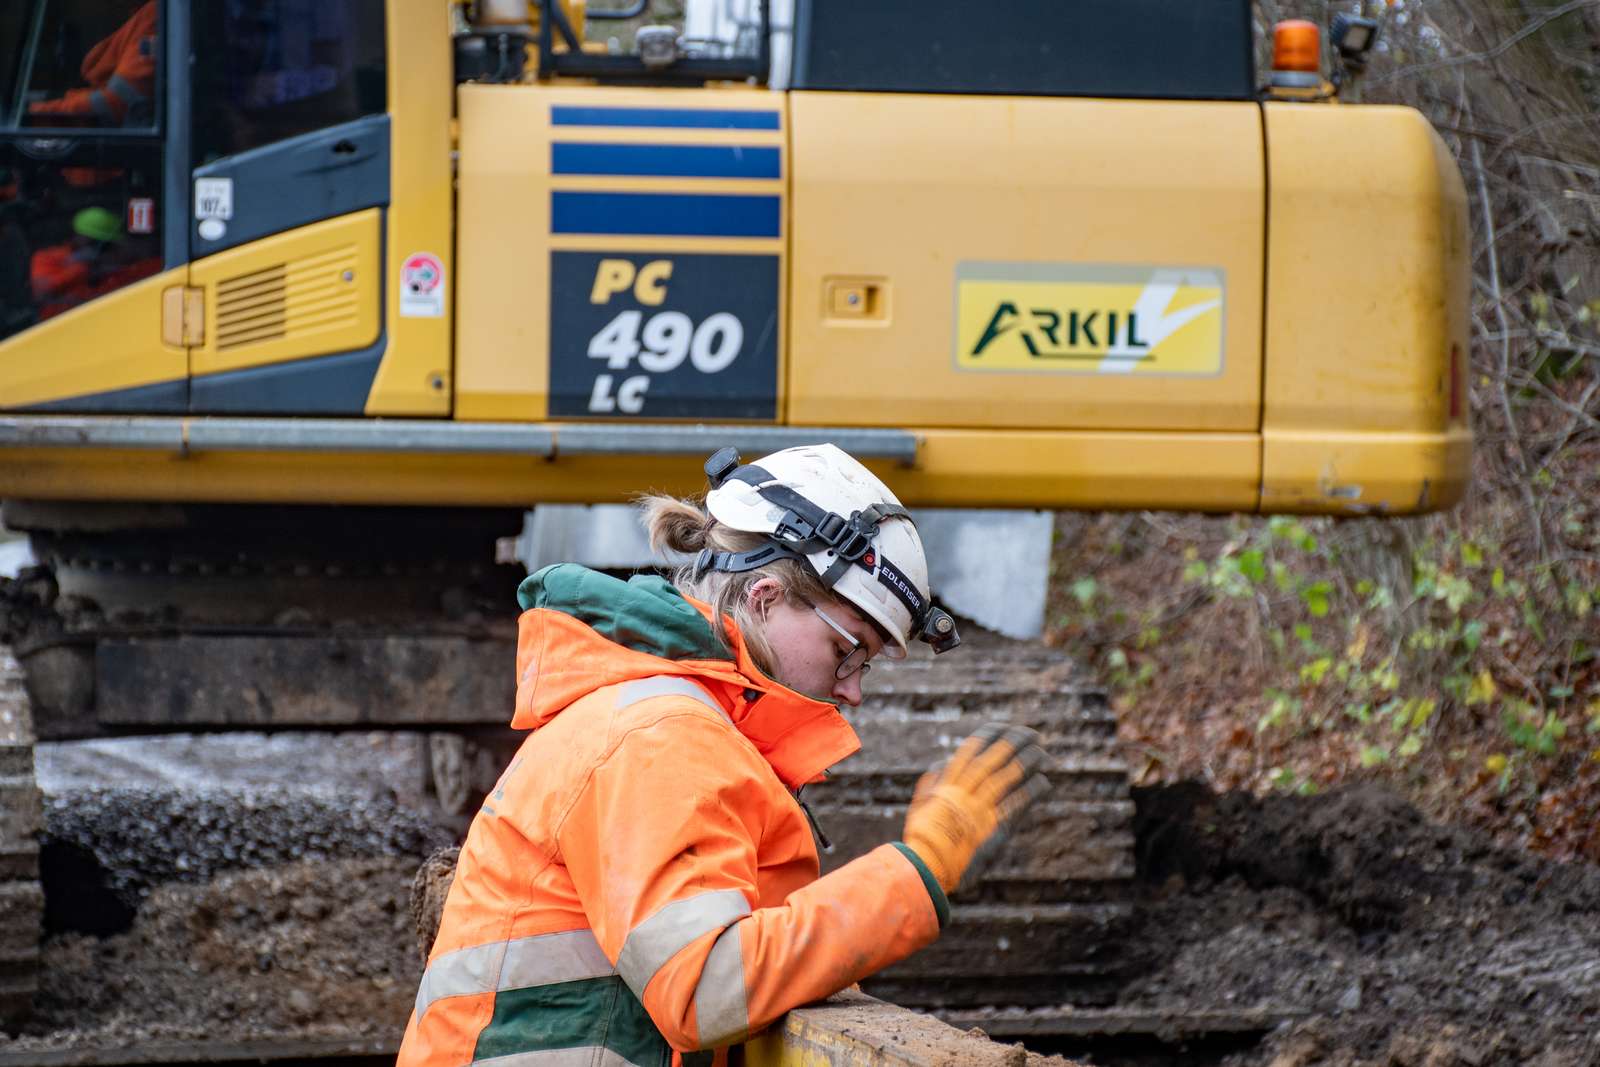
{"type": "Point", "coordinates": [581, 630]}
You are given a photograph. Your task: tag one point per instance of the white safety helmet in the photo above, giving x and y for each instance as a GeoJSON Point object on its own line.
{"type": "Point", "coordinates": [816, 503]}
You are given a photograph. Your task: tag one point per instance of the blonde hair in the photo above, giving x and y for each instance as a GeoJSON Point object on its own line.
{"type": "Point", "coordinates": [683, 526]}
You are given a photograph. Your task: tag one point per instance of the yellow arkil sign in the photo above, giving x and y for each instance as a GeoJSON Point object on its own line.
{"type": "Point", "coordinates": [1080, 319]}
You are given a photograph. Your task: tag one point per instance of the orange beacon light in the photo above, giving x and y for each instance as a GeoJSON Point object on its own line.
{"type": "Point", "coordinates": [1296, 55]}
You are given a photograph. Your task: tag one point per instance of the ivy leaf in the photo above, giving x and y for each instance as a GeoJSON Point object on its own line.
{"type": "Point", "coordinates": [1454, 591]}
{"type": "Point", "coordinates": [1482, 690]}
{"type": "Point", "coordinates": [1316, 670]}
{"type": "Point", "coordinates": [1315, 596]}
{"type": "Point", "coordinates": [1471, 554]}
{"type": "Point", "coordinates": [1084, 591]}
{"type": "Point", "coordinates": [1253, 565]}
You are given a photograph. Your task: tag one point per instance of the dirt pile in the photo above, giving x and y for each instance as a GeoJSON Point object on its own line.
{"type": "Point", "coordinates": [103, 849]}
{"type": "Point", "coordinates": [307, 950]}
{"type": "Point", "coordinates": [1410, 944]}
{"type": "Point", "coordinates": [226, 916]}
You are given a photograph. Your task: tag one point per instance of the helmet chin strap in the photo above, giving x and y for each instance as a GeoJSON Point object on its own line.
{"type": "Point", "coordinates": [806, 529]}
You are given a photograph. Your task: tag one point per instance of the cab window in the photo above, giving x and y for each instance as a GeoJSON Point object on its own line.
{"type": "Point", "coordinates": [1197, 50]}
{"type": "Point", "coordinates": [268, 70]}
{"type": "Point", "coordinates": [81, 157]}
{"type": "Point", "coordinates": [84, 63]}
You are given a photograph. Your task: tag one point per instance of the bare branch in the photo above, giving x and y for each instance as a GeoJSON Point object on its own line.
{"type": "Point", "coordinates": [1534, 26]}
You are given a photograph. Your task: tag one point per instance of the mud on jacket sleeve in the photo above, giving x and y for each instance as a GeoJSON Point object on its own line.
{"type": "Point", "coordinates": [662, 847]}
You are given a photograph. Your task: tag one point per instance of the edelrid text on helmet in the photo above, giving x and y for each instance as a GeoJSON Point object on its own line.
{"type": "Point", "coordinates": [817, 504]}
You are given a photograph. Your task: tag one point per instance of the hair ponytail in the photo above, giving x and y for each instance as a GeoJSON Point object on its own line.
{"type": "Point", "coordinates": [675, 525]}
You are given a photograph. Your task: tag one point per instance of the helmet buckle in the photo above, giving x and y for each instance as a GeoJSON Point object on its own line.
{"type": "Point", "coordinates": [854, 544]}
{"type": "Point", "coordinates": [831, 529]}
{"type": "Point", "coordinates": [794, 529]}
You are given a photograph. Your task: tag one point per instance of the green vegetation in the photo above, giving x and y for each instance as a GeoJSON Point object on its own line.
{"type": "Point", "coordinates": [1456, 657]}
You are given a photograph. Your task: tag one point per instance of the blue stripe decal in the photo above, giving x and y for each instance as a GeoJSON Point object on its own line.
{"type": "Point", "coordinates": [665, 214]}
{"type": "Point", "coordinates": [666, 160]}
{"type": "Point", "coordinates": [680, 118]}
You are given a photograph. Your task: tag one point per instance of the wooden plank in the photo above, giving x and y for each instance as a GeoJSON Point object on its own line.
{"type": "Point", "coordinates": [1114, 1022]}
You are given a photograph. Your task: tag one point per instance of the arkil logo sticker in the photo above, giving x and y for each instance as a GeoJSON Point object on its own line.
{"type": "Point", "coordinates": [1081, 319]}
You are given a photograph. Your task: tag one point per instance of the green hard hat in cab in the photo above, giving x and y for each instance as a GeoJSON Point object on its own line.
{"type": "Point", "coordinates": [97, 224]}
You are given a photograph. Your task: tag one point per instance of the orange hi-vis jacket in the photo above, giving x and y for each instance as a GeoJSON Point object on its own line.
{"type": "Point", "coordinates": [642, 882]}
{"type": "Point", "coordinates": [120, 72]}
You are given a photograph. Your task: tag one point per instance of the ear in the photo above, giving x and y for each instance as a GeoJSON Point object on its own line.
{"type": "Point", "coordinates": [763, 593]}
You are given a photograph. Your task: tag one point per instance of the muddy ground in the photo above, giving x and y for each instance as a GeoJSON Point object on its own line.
{"type": "Point", "coordinates": [1403, 942]}
{"type": "Point", "coordinates": [211, 896]}
{"type": "Point", "coordinates": [308, 950]}
{"type": "Point", "coordinates": [1410, 944]}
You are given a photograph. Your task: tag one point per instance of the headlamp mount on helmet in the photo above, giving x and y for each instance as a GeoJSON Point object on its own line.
{"type": "Point", "coordinates": [805, 528]}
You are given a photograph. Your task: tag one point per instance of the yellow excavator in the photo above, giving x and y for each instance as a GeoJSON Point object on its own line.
{"type": "Point", "coordinates": [302, 302]}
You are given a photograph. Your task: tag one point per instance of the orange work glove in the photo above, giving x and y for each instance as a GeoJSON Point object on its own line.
{"type": "Point", "coordinates": [958, 807]}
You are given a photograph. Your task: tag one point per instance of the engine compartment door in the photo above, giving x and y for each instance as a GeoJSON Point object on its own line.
{"type": "Point", "coordinates": [1026, 262]}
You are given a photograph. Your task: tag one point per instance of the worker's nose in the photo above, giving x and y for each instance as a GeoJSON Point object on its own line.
{"type": "Point", "coordinates": [848, 690]}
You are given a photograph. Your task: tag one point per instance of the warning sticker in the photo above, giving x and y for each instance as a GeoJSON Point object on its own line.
{"type": "Point", "coordinates": [213, 198]}
{"type": "Point", "coordinates": [1082, 319]}
{"type": "Point", "coordinates": [141, 215]}
{"type": "Point", "coordinates": [422, 286]}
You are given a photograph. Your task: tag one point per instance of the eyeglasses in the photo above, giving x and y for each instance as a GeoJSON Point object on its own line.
{"type": "Point", "coordinates": [856, 659]}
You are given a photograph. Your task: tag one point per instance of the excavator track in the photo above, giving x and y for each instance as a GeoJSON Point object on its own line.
{"type": "Point", "coordinates": [1040, 925]}
{"type": "Point", "coordinates": [21, 898]}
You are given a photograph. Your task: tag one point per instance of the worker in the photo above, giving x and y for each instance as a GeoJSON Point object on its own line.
{"type": "Point", "coordinates": [641, 884]}
{"type": "Point", "coordinates": [95, 260]}
{"type": "Point", "coordinates": [119, 75]}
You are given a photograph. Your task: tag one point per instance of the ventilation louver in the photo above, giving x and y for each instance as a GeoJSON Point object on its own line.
{"type": "Point", "coordinates": [308, 295]}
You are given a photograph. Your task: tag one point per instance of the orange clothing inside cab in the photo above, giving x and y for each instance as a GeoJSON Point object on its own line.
{"type": "Point", "coordinates": [120, 74]}
{"type": "Point", "coordinates": [641, 886]}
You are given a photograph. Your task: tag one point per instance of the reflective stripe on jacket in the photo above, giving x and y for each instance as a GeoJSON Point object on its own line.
{"type": "Point", "coordinates": [120, 72]}
{"type": "Point", "coordinates": [642, 879]}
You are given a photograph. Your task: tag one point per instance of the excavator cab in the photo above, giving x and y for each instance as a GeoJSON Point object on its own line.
{"type": "Point", "coordinates": [115, 117]}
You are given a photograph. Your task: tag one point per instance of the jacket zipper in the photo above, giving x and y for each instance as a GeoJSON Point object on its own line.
{"type": "Point", "coordinates": [816, 827]}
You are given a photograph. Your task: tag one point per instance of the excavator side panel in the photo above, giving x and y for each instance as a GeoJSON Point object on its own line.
{"type": "Point", "coordinates": [111, 354]}
{"type": "Point", "coordinates": [622, 254]}
{"type": "Point", "coordinates": [1026, 263]}
{"type": "Point", "coordinates": [1367, 332]}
